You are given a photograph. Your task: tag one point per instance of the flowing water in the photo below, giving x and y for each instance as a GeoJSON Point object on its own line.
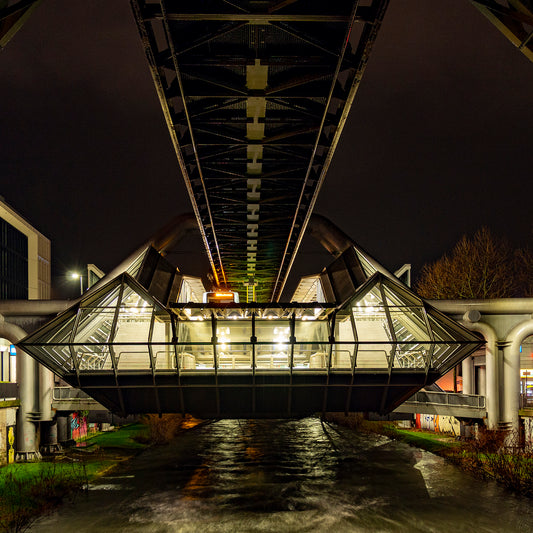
{"type": "Point", "coordinates": [289, 476]}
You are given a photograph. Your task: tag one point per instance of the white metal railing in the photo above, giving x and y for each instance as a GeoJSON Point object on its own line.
{"type": "Point", "coordinates": [449, 398]}
{"type": "Point", "coordinates": [69, 393]}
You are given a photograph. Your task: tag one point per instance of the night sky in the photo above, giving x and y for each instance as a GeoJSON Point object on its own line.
{"type": "Point", "coordinates": [438, 142]}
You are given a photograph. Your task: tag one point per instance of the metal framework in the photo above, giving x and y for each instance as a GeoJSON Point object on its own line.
{"type": "Point", "coordinates": [13, 14]}
{"type": "Point", "coordinates": [255, 95]}
{"type": "Point", "coordinates": [514, 18]}
{"type": "Point", "coordinates": [368, 344]}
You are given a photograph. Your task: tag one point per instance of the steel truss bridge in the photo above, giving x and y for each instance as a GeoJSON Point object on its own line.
{"type": "Point", "coordinates": [255, 95]}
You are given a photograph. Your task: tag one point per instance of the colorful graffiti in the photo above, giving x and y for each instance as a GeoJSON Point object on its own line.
{"type": "Point", "coordinates": [78, 425]}
{"type": "Point", "coordinates": [438, 423]}
{"type": "Point", "coordinates": [11, 444]}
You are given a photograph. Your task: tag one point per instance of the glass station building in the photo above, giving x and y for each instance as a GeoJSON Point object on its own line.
{"type": "Point", "coordinates": [145, 342]}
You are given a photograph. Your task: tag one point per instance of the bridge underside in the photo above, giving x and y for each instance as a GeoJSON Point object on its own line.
{"type": "Point", "coordinates": [246, 395]}
{"type": "Point", "coordinates": [255, 95]}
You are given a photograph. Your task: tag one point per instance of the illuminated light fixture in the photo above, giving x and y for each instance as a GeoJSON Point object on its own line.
{"type": "Point", "coordinates": [270, 314]}
{"type": "Point", "coordinates": [308, 314]}
{"type": "Point", "coordinates": [224, 294]}
{"type": "Point", "coordinates": [75, 275]}
{"type": "Point", "coordinates": [234, 315]}
{"type": "Point", "coordinates": [195, 315]}
{"type": "Point", "coordinates": [281, 337]}
{"type": "Point", "coordinates": [223, 338]}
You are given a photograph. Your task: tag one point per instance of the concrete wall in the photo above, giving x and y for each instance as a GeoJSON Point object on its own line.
{"type": "Point", "coordinates": [7, 434]}
{"type": "Point", "coordinates": [438, 423]}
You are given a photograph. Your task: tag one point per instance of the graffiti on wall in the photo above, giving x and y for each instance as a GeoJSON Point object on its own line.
{"type": "Point", "coordinates": [438, 423]}
{"type": "Point", "coordinates": [78, 425]}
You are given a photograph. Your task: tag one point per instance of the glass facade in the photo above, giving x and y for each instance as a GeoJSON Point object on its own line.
{"type": "Point", "coordinates": [121, 328]}
{"type": "Point", "coordinates": [13, 263]}
{"type": "Point", "coordinates": [372, 351]}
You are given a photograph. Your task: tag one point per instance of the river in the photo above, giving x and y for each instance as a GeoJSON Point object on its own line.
{"type": "Point", "coordinates": [288, 476]}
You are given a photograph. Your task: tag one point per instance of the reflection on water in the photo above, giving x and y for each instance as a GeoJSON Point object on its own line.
{"type": "Point", "coordinates": [297, 476]}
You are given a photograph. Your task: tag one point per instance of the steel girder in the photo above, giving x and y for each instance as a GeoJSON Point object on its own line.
{"type": "Point", "coordinates": [12, 17]}
{"type": "Point", "coordinates": [255, 95]}
{"type": "Point", "coordinates": [514, 18]}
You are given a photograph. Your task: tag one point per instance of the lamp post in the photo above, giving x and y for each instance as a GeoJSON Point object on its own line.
{"type": "Point", "coordinates": [75, 275]}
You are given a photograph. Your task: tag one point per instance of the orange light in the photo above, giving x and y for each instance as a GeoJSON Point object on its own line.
{"type": "Point", "coordinates": [224, 294]}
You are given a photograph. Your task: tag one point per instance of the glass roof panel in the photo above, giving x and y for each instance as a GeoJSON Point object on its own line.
{"type": "Point", "coordinates": [409, 324]}
{"type": "Point", "coordinates": [94, 325]}
{"type": "Point", "coordinates": [60, 355]}
{"type": "Point", "coordinates": [441, 332]}
{"type": "Point", "coordinates": [135, 266]}
{"type": "Point", "coordinates": [93, 357]}
{"type": "Point", "coordinates": [444, 352]}
{"type": "Point", "coordinates": [412, 355]}
{"type": "Point", "coordinates": [60, 333]}
{"type": "Point", "coordinates": [371, 321]}
{"type": "Point", "coordinates": [104, 298]}
{"type": "Point", "coordinates": [399, 296]}
{"type": "Point", "coordinates": [367, 266]}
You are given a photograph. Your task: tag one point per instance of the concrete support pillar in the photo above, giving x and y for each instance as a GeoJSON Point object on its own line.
{"type": "Point", "coordinates": [492, 398]}
{"type": "Point", "coordinates": [511, 372]}
{"type": "Point", "coordinates": [467, 367]}
{"type": "Point", "coordinates": [511, 386]}
{"type": "Point", "coordinates": [49, 437]}
{"type": "Point", "coordinates": [46, 385]}
{"type": "Point", "coordinates": [62, 428]}
{"type": "Point", "coordinates": [26, 430]}
{"type": "Point", "coordinates": [482, 380]}
{"type": "Point", "coordinates": [26, 446]}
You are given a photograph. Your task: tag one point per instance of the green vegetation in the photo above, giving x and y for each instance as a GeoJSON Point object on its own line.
{"type": "Point", "coordinates": [436, 443]}
{"type": "Point", "coordinates": [165, 428]}
{"type": "Point", "coordinates": [495, 455]}
{"type": "Point", "coordinates": [127, 438]}
{"type": "Point", "coordinates": [28, 490]}
{"type": "Point", "coordinates": [432, 442]}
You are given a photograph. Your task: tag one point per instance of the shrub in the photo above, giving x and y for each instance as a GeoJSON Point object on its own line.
{"type": "Point", "coordinates": [162, 429]}
{"type": "Point", "coordinates": [28, 490]}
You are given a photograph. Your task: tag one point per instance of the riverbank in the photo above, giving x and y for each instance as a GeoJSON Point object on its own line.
{"type": "Point", "coordinates": [486, 457]}
{"type": "Point", "coordinates": [29, 490]}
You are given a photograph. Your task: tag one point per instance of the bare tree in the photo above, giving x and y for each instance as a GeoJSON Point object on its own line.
{"type": "Point", "coordinates": [484, 266]}
{"type": "Point", "coordinates": [524, 271]}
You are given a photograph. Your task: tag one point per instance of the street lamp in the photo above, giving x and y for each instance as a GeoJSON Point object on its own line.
{"type": "Point", "coordinates": [75, 275]}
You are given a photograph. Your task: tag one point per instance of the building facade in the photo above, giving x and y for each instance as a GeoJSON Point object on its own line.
{"type": "Point", "coordinates": [24, 258]}
{"type": "Point", "coordinates": [24, 275]}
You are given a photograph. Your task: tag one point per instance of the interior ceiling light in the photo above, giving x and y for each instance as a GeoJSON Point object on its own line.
{"type": "Point", "coordinates": [307, 314]}
{"type": "Point", "coordinates": [270, 314]}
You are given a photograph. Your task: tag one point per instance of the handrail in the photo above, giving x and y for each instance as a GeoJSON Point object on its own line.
{"type": "Point", "coordinates": [449, 398]}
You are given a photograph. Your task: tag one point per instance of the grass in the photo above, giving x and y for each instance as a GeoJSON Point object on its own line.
{"type": "Point", "coordinates": [486, 457]}
{"type": "Point", "coordinates": [124, 438]}
{"type": "Point", "coordinates": [432, 442]}
{"type": "Point", "coordinates": [28, 490]}
{"type": "Point", "coordinates": [436, 443]}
